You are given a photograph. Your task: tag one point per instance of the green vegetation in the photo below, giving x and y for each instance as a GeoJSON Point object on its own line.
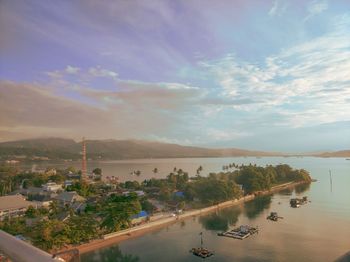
{"type": "Point", "coordinates": [118, 210]}
{"type": "Point", "coordinates": [82, 188]}
{"type": "Point", "coordinates": [254, 178]}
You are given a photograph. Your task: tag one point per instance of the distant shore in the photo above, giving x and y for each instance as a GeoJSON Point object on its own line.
{"type": "Point", "coordinates": [116, 237]}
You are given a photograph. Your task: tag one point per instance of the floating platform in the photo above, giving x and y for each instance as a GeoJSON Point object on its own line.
{"type": "Point", "coordinates": [201, 252]}
{"type": "Point", "coordinates": [241, 232]}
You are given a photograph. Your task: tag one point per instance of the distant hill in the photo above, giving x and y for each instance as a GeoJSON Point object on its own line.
{"type": "Point", "coordinates": [342, 153]}
{"type": "Point", "coordinates": [59, 148]}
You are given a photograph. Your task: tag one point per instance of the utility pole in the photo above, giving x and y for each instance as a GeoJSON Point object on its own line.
{"type": "Point", "coordinates": [83, 164]}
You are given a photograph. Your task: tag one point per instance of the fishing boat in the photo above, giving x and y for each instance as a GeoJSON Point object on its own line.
{"type": "Point", "coordinates": [297, 202]}
{"type": "Point", "coordinates": [274, 217]}
{"type": "Point", "coordinates": [201, 251]}
{"type": "Point", "coordinates": [241, 232]}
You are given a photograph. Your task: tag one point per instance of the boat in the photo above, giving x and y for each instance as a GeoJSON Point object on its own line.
{"type": "Point", "coordinates": [201, 251]}
{"type": "Point", "coordinates": [274, 216]}
{"type": "Point", "coordinates": [297, 202]}
{"type": "Point", "coordinates": [240, 232]}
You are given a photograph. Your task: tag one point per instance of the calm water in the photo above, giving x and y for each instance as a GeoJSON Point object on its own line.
{"type": "Point", "coordinates": [318, 231]}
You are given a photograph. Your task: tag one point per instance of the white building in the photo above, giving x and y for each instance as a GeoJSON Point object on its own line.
{"type": "Point", "coordinates": [52, 187]}
{"type": "Point", "coordinates": [12, 206]}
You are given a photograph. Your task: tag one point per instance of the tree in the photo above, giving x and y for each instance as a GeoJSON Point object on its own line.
{"type": "Point", "coordinates": [155, 170]}
{"type": "Point", "coordinates": [118, 210]}
{"type": "Point", "coordinates": [97, 171]}
{"type": "Point", "coordinates": [54, 208]}
{"type": "Point", "coordinates": [199, 170]}
{"type": "Point", "coordinates": [147, 206]}
{"type": "Point", "coordinates": [31, 212]}
{"type": "Point", "coordinates": [81, 229]}
{"type": "Point", "coordinates": [49, 234]}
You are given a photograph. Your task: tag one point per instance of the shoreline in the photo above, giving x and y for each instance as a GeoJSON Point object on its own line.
{"type": "Point", "coordinates": [117, 237]}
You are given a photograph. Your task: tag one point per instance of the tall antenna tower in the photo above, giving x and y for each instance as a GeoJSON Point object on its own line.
{"type": "Point", "coordinates": [83, 164]}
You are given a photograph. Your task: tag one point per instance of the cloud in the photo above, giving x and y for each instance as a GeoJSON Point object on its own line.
{"type": "Point", "coordinates": [226, 135]}
{"type": "Point", "coordinates": [135, 109]}
{"type": "Point", "coordinates": [72, 70]}
{"type": "Point", "coordinates": [101, 72]}
{"type": "Point", "coordinates": [278, 8]}
{"type": "Point", "coordinates": [316, 7]}
{"type": "Point", "coordinates": [303, 83]}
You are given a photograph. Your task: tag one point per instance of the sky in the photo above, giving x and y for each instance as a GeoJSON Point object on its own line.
{"type": "Point", "coordinates": [268, 75]}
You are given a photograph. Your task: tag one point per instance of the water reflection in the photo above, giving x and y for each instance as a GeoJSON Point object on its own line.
{"type": "Point", "coordinates": [182, 224]}
{"type": "Point", "coordinates": [221, 220]}
{"type": "Point", "coordinates": [253, 208]}
{"type": "Point", "coordinates": [110, 254]}
{"type": "Point", "coordinates": [286, 192]}
{"type": "Point", "coordinates": [302, 188]}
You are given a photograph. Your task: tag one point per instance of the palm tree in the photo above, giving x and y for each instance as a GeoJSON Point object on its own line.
{"type": "Point", "coordinates": [53, 207]}
{"type": "Point", "coordinates": [199, 170]}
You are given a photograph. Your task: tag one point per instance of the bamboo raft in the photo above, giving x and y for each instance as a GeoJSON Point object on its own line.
{"type": "Point", "coordinates": [241, 232]}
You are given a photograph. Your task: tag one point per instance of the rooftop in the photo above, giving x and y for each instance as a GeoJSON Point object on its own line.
{"type": "Point", "coordinates": [14, 202]}
{"type": "Point", "coordinates": [70, 197]}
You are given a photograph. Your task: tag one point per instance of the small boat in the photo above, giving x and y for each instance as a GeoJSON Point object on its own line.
{"type": "Point", "coordinates": [274, 216]}
{"type": "Point", "coordinates": [201, 251]}
{"type": "Point", "coordinates": [297, 202]}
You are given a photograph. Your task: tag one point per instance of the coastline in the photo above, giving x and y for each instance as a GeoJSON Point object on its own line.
{"type": "Point", "coordinates": [117, 237]}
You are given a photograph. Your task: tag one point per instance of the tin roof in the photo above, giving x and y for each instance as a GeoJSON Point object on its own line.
{"type": "Point", "coordinates": [14, 202]}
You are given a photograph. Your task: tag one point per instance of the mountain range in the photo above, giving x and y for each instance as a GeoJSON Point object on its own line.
{"type": "Point", "coordinates": [60, 148]}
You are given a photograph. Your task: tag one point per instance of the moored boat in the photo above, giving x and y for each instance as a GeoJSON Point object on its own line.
{"type": "Point", "coordinates": [297, 202]}
{"type": "Point", "coordinates": [273, 216]}
{"type": "Point", "coordinates": [201, 251]}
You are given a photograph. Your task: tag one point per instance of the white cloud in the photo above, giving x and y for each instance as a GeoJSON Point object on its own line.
{"type": "Point", "coordinates": [72, 70]}
{"type": "Point", "coordinates": [316, 7]}
{"type": "Point", "coordinates": [101, 72]}
{"type": "Point", "coordinates": [225, 135]}
{"type": "Point", "coordinates": [308, 84]}
{"type": "Point", "coordinates": [278, 8]}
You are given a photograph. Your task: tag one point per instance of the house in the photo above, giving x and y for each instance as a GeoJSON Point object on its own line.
{"type": "Point", "coordinates": [41, 200]}
{"type": "Point", "coordinates": [69, 198]}
{"type": "Point", "coordinates": [12, 206]}
{"type": "Point", "coordinates": [72, 175]}
{"type": "Point", "coordinates": [139, 218]}
{"type": "Point", "coordinates": [28, 191]}
{"type": "Point", "coordinates": [68, 183]}
{"type": "Point", "coordinates": [51, 187]}
{"type": "Point", "coordinates": [179, 194]}
{"type": "Point", "coordinates": [139, 193]}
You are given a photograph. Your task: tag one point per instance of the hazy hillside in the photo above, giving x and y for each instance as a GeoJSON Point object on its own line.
{"type": "Point", "coordinates": [342, 153]}
{"type": "Point", "coordinates": [58, 148]}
